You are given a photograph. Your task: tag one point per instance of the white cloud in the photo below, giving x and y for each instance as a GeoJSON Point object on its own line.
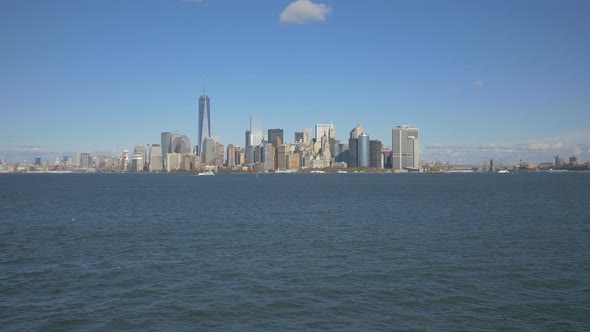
{"type": "Point", "coordinates": [302, 11]}
{"type": "Point", "coordinates": [477, 84]}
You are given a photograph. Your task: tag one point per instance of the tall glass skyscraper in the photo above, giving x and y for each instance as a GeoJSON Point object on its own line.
{"type": "Point", "coordinates": [204, 120]}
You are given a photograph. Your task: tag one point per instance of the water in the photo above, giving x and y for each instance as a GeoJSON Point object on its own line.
{"type": "Point", "coordinates": [295, 252]}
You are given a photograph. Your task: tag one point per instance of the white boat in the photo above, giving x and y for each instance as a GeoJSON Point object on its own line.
{"type": "Point", "coordinates": [317, 172]}
{"type": "Point", "coordinates": [503, 171]}
{"type": "Point", "coordinates": [208, 173]}
{"type": "Point", "coordinates": [342, 172]}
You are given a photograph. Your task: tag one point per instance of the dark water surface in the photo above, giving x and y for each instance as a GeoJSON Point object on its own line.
{"type": "Point", "coordinates": [320, 251]}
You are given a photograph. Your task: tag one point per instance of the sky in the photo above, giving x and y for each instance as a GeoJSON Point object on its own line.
{"type": "Point", "coordinates": [481, 79]}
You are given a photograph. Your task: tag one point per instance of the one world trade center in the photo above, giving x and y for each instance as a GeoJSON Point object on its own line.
{"type": "Point", "coordinates": [204, 120]}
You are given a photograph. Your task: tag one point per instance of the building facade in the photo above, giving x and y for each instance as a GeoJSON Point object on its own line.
{"type": "Point", "coordinates": [405, 148]}
{"type": "Point", "coordinates": [204, 120]}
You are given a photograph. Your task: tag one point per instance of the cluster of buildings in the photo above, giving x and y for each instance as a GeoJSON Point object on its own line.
{"type": "Point", "coordinates": [315, 148]}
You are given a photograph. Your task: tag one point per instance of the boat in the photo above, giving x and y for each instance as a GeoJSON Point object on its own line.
{"type": "Point", "coordinates": [317, 172]}
{"type": "Point", "coordinates": [342, 172]}
{"type": "Point", "coordinates": [551, 170]}
{"type": "Point", "coordinates": [503, 171]}
{"type": "Point", "coordinates": [208, 173]}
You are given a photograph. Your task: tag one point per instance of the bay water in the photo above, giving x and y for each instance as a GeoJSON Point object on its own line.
{"type": "Point", "coordinates": [155, 252]}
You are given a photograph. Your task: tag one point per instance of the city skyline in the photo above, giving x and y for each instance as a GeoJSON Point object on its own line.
{"type": "Point", "coordinates": [480, 80]}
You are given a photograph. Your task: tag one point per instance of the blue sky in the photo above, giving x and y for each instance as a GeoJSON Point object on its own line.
{"type": "Point", "coordinates": [481, 79]}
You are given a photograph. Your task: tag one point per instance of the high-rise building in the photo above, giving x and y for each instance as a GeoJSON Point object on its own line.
{"type": "Point", "coordinates": [209, 151]}
{"type": "Point", "coordinates": [180, 144]}
{"type": "Point", "coordinates": [84, 160]}
{"type": "Point", "coordinates": [231, 155]}
{"type": "Point", "coordinates": [405, 148]}
{"type": "Point", "coordinates": [165, 142]}
{"type": "Point", "coordinates": [352, 155]}
{"type": "Point", "coordinates": [248, 138]}
{"type": "Point", "coordinates": [204, 120]}
{"type": "Point", "coordinates": [173, 161]}
{"type": "Point", "coordinates": [275, 137]}
{"type": "Point", "coordinates": [136, 163]}
{"type": "Point", "coordinates": [155, 164]}
{"type": "Point", "coordinates": [376, 154]}
{"type": "Point", "coordinates": [268, 157]}
{"type": "Point", "coordinates": [38, 161]}
{"type": "Point", "coordinates": [356, 131]}
{"type": "Point", "coordinates": [298, 137]}
{"type": "Point", "coordinates": [363, 150]}
{"type": "Point", "coordinates": [321, 130]}
{"type": "Point", "coordinates": [255, 130]}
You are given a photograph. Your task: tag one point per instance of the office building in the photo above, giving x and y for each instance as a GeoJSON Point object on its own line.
{"type": "Point", "coordinates": [180, 144]}
{"type": "Point", "coordinates": [352, 160]}
{"type": "Point", "coordinates": [209, 151]}
{"type": "Point", "coordinates": [321, 130]}
{"type": "Point", "coordinates": [165, 141]}
{"type": "Point", "coordinates": [248, 140]}
{"type": "Point", "coordinates": [255, 130]}
{"type": "Point", "coordinates": [275, 137]}
{"type": "Point", "coordinates": [376, 154]}
{"type": "Point", "coordinates": [38, 161]}
{"type": "Point", "coordinates": [84, 160]}
{"type": "Point", "coordinates": [231, 155]}
{"type": "Point", "coordinates": [204, 121]}
{"type": "Point", "coordinates": [155, 163]}
{"type": "Point", "coordinates": [405, 148]}
{"type": "Point", "coordinates": [363, 150]}
{"type": "Point", "coordinates": [173, 161]}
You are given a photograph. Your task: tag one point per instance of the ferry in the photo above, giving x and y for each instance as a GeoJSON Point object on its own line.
{"type": "Point", "coordinates": [208, 173]}
{"type": "Point", "coordinates": [503, 171]}
{"type": "Point", "coordinates": [342, 172]}
{"type": "Point", "coordinates": [317, 172]}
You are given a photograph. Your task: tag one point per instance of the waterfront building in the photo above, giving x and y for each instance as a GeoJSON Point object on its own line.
{"type": "Point", "coordinates": [173, 161]}
{"type": "Point", "coordinates": [165, 141]}
{"type": "Point", "coordinates": [268, 157]}
{"type": "Point", "coordinates": [204, 121]}
{"type": "Point", "coordinates": [282, 151]}
{"type": "Point", "coordinates": [275, 137]}
{"type": "Point", "coordinates": [84, 160]}
{"type": "Point", "coordinates": [38, 161]}
{"type": "Point", "coordinates": [155, 163]}
{"type": "Point", "coordinates": [376, 154]}
{"type": "Point", "coordinates": [352, 160]}
{"type": "Point", "coordinates": [136, 163]}
{"type": "Point", "coordinates": [293, 160]}
{"type": "Point", "coordinates": [231, 155]}
{"type": "Point", "coordinates": [363, 150]}
{"type": "Point", "coordinates": [209, 151]}
{"type": "Point", "coordinates": [405, 148]}
{"type": "Point", "coordinates": [557, 161]}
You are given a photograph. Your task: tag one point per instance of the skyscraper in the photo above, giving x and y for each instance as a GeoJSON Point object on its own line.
{"type": "Point", "coordinates": [165, 141]}
{"type": "Point", "coordinates": [321, 130]}
{"type": "Point", "coordinates": [155, 164]}
{"type": "Point", "coordinates": [275, 137]}
{"type": "Point", "coordinates": [405, 148]}
{"type": "Point", "coordinates": [363, 150]}
{"type": "Point", "coordinates": [204, 120]}
{"type": "Point", "coordinates": [209, 151]}
{"type": "Point", "coordinates": [255, 130]}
